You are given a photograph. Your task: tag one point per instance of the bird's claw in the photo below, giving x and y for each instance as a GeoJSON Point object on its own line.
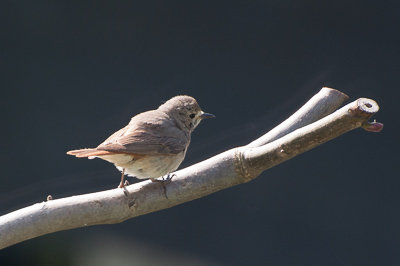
{"type": "Point", "coordinates": [164, 181]}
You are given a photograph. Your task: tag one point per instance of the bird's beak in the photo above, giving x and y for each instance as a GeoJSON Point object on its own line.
{"type": "Point", "coordinates": [206, 115]}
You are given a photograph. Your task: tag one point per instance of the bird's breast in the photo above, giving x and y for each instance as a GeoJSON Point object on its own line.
{"type": "Point", "coordinates": [145, 166]}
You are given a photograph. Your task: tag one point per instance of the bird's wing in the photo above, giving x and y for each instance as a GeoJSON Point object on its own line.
{"type": "Point", "coordinates": [155, 138]}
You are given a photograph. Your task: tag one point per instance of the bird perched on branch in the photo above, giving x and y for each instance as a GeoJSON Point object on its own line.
{"type": "Point", "coordinates": [154, 143]}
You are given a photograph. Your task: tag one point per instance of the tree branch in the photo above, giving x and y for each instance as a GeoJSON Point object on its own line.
{"type": "Point", "coordinates": [306, 129]}
{"type": "Point", "coordinates": [323, 103]}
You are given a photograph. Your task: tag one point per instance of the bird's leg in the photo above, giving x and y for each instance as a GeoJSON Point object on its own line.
{"type": "Point", "coordinates": [122, 184]}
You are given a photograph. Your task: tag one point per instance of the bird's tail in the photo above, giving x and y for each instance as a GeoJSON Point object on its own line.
{"type": "Point", "coordinates": [88, 153]}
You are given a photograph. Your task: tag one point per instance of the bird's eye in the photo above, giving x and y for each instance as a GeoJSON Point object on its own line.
{"type": "Point", "coordinates": [192, 115]}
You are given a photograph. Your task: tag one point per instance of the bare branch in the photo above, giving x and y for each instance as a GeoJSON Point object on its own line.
{"type": "Point", "coordinates": [323, 103]}
{"type": "Point", "coordinates": [349, 117]}
{"type": "Point", "coordinates": [227, 169]}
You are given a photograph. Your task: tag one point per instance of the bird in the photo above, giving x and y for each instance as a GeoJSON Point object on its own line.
{"type": "Point", "coordinates": [154, 143]}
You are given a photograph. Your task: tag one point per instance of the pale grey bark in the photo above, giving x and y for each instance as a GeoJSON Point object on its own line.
{"type": "Point", "coordinates": [309, 127]}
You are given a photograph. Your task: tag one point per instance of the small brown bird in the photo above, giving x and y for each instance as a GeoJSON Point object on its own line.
{"type": "Point", "coordinates": [154, 143]}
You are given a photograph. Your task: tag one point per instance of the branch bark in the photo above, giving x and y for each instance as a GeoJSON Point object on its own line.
{"type": "Point", "coordinates": [310, 126]}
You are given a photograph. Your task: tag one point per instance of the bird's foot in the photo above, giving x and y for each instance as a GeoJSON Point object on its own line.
{"type": "Point", "coordinates": [164, 179]}
{"type": "Point", "coordinates": [164, 182]}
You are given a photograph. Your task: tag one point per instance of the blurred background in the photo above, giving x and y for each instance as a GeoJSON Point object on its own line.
{"type": "Point", "coordinates": [73, 72]}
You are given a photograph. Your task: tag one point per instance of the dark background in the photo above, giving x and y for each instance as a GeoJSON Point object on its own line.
{"type": "Point", "coordinates": [73, 72]}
